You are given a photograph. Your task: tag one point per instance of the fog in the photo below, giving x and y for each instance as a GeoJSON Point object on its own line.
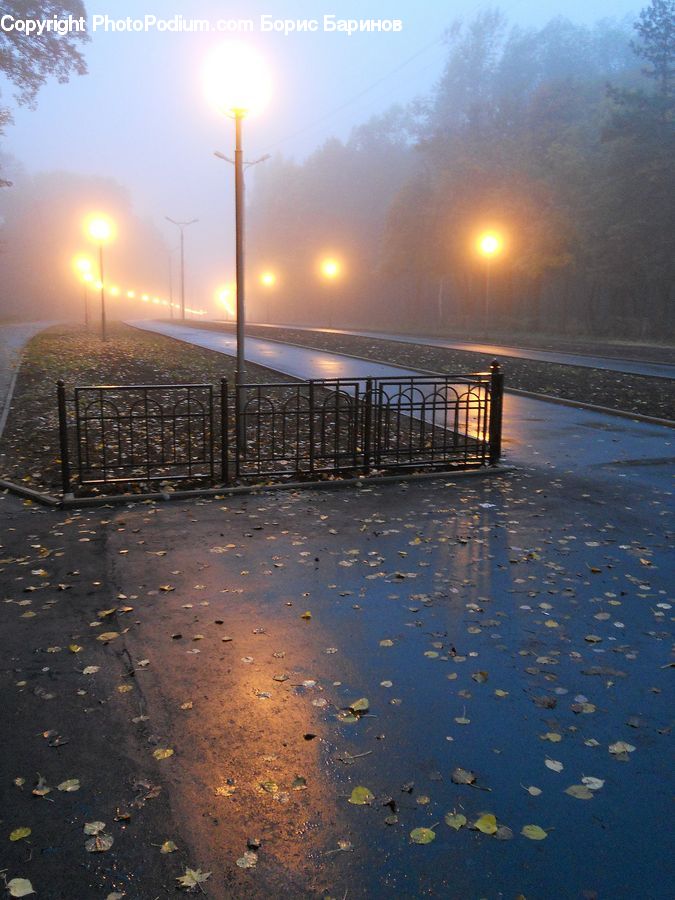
{"type": "Point", "coordinates": [135, 136]}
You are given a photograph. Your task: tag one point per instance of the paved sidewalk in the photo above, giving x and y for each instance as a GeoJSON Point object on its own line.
{"type": "Point", "coordinates": [511, 637]}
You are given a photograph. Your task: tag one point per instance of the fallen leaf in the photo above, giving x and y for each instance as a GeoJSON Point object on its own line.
{"type": "Point", "coordinates": [19, 834]}
{"type": "Point", "coordinates": [463, 776]}
{"type": "Point", "coordinates": [534, 832]}
{"type": "Point", "coordinates": [593, 784]}
{"type": "Point", "coordinates": [621, 747]}
{"type": "Point", "coordinates": [108, 636]}
{"type": "Point", "coordinates": [422, 835]}
{"type": "Point", "coordinates": [455, 820]}
{"type": "Point", "coordinates": [361, 796]}
{"type": "Point", "coordinates": [554, 765]}
{"type": "Point", "coordinates": [94, 827]}
{"type": "Point", "coordinates": [359, 706]}
{"type": "Point", "coordinates": [487, 823]}
{"type": "Point", "coordinates": [579, 791]}
{"type": "Point", "coordinates": [19, 887]}
{"type": "Point", "coordinates": [100, 843]}
{"type": "Point", "coordinates": [192, 878]}
{"type": "Point", "coordinates": [248, 861]}
{"type": "Point", "coordinates": [72, 784]}
{"type": "Point", "coordinates": [162, 752]}
{"type": "Point", "coordinates": [168, 847]}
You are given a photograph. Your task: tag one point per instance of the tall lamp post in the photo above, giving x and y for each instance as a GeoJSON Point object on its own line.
{"type": "Point", "coordinates": [238, 85]}
{"type": "Point", "coordinates": [182, 226]}
{"type": "Point", "coordinates": [101, 230]}
{"type": "Point", "coordinates": [489, 246]}
{"type": "Point", "coordinates": [83, 266]}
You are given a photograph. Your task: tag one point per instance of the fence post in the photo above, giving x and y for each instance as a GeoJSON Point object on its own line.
{"type": "Point", "coordinates": [312, 441]}
{"type": "Point", "coordinates": [367, 423]}
{"type": "Point", "coordinates": [63, 436]}
{"type": "Point", "coordinates": [224, 423]}
{"type": "Point", "coordinates": [496, 398]}
{"type": "Point", "coordinates": [237, 429]}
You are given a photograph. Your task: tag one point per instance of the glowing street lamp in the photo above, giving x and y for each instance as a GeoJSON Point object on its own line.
{"type": "Point", "coordinates": [101, 230]}
{"type": "Point", "coordinates": [330, 269]}
{"type": "Point", "coordinates": [489, 245]}
{"type": "Point", "coordinates": [238, 84]}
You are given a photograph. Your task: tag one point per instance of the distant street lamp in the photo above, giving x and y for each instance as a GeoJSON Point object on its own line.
{"type": "Point", "coordinates": [330, 269]}
{"type": "Point", "coordinates": [238, 84]}
{"type": "Point", "coordinates": [182, 226]}
{"type": "Point", "coordinates": [101, 230]}
{"type": "Point", "coordinates": [489, 246]}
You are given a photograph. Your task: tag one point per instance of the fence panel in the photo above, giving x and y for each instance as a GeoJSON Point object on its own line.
{"type": "Point", "coordinates": [431, 421]}
{"type": "Point", "coordinates": [304, 427]}
{"type": "Point", "coordinates": [131, 433]}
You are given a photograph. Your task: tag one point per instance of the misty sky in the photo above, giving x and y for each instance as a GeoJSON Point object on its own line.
{"type": "Point", "coordinates": [140, 116]}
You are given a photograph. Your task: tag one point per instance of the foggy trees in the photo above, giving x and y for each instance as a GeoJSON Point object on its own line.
{"type": "Point", "coordinates": [561, 138]}
{"type": "Point", "coordinates": [27, 62]}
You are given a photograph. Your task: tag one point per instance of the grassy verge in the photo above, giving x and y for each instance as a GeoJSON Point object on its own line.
{"type": "Point", "coordinates": [29, 449]}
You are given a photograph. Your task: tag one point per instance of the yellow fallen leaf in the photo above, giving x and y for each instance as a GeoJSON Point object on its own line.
{"type": "Point", "coordinates": [108, 636]}
{"type": "Point", "coordinates": [162, 753]}
{"type": "Point", "coordinates": [168, 847]}
{"type": "Point", "coordinates": [534, 832]}
{"type": "Point", "coordinates": [124, 688]}
{"type": "Point", "coordinates": [72, 784]}
{"type": "Point", "coordinates": [487, 823]}
{"type": "Point", "coordinates": [306, 615]}
{"type": "Point", "coordinates": [19, 834]}
{"type": "Point", "coordinates": [74, 648]}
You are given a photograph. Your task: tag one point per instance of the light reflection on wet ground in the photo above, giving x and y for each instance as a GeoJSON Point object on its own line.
{"type": "Point", "coordinates": [496, 577]}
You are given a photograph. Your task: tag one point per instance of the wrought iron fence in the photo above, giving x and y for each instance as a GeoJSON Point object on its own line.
{"type": "Point", "coordinates": [138, 433]}
{"type": "Point", "coordinates": [149, 433]}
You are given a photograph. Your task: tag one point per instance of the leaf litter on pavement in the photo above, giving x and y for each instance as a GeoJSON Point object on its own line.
{"type": "Point", "coordinates": [461, 634]}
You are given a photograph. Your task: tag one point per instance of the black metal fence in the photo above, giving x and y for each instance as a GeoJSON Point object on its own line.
{"type": "Point", "coordinates": [148, 433]}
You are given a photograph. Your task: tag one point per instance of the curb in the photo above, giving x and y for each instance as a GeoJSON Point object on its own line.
{"type": "Point", "coordinates": [70, 502]}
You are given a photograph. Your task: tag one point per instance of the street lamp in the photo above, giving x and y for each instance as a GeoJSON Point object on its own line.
{"type": "Point", "coordinates": [182, 226]}
{"type": "Point", "coordinates": [101, 230]}
{"type": "Point", "coordinates": [330, 269]}
{"type": "Point", "coordinates": [238, 84]}
{"type": "Point", "coordinates": [489, 246]}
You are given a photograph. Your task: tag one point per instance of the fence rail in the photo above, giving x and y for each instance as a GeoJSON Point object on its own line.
{"type": "Point", "coordinates": [112, 434]}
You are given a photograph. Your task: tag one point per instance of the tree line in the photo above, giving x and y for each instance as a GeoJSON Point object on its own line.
{"type": "Point", "coordinates": [560, 139]}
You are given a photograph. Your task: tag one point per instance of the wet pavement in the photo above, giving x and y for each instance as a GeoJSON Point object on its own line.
{"type": "Point", "coordinates": [509, 640]}
{"type": "Point", "coordinates": [587, 360]}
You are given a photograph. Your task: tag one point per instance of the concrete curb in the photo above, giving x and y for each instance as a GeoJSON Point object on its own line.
{"type": "Point", "coordinates": [71, 502]}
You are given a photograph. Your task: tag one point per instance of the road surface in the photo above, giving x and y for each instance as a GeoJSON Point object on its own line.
{"type": "Point", "coordinates": [612, 364]}
{"type": "Point", "coordinates": [535, 432]}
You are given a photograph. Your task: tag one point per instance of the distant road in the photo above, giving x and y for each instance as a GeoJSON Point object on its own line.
{"type": "Point", "coordinates": [628, 366]}
{"type": "Point", "coordinates": [12, 340]}
{"type": "Point", "coordinates": [536, 433]}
